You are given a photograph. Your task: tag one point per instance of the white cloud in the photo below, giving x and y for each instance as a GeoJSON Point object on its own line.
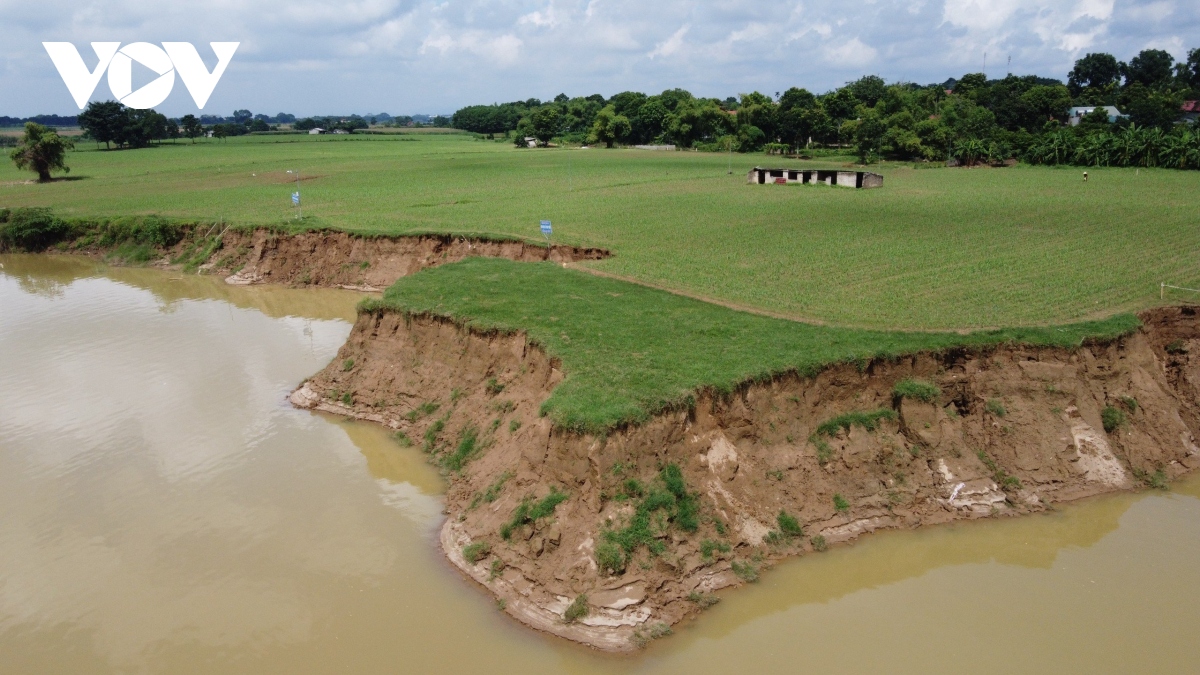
{"type": "Point", "coordinates": [1173, 45]}
{"type": "Point", "coordinates": [541, 19]}
{"type": "Point", "coordinates": [852, 53]}
{"type": "Point", "coordinates": [1155, 11]}
{"type": "Point", "coordinates": [502, 50]}
{"type": "Point", "coordinates": [671, 45]}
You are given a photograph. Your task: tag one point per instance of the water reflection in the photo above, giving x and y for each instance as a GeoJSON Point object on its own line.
{"type": "Point", "coordinates": [165, 510]}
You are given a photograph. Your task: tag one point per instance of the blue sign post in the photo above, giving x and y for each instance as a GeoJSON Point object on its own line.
{"type": "Point", "coordinates": [546, 229]}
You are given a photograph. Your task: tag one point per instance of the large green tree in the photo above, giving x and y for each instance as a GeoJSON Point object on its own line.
{"type": "Point", "coordinates": [1150, 68]}
{"type": "Point", "coordinates": [1095, 71]}
{"type": "Point", "coordinates": [609, 127]}
{"type": "Point", "coordinates": [546, 123]}
{"type": "Point", "coordinates": [191, 127]}
{"type": "Point", "coordinates": [41, 150]}
{"type": "Point", "coordinates": [104, 121]}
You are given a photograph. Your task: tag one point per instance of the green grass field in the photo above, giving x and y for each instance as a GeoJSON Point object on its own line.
{"type": "Point", "coordinates": [629, 351]}
{"type": "Point", "coordinates": [932, 249]}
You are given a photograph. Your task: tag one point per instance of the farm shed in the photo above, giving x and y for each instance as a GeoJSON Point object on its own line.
{"type": "Point", "coordinates": [854, 179]}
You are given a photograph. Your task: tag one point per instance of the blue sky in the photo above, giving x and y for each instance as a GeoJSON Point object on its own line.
{"type": "Point", "coordinates": [411, 56]}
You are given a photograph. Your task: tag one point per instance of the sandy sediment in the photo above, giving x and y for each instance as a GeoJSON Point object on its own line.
{"type": "Point", "coordinates": [1015, 430]}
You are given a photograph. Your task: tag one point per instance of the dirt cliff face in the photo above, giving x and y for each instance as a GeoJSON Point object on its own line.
{"type": "Point", "coordinates": [370, 263]}
{"type": "Point", "coordinates": [331, 258]}
{"type": "Point", "coordinates": [541, 517]}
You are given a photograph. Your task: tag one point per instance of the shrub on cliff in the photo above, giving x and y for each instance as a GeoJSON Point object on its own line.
{"type": "Point", "coordinates": [32, 229]}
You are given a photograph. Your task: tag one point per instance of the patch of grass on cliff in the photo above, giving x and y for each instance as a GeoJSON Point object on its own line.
{"type": "Point", "coordinates": [915, 389]}
{"type": "Point", "coordinates": [867, 419]}
{"type": "Point", "coordinates": [670, 495]}
{"type": "Point", "coordinates": [530, 511]}
{"type": "Point", "coordinates": [629, 351]}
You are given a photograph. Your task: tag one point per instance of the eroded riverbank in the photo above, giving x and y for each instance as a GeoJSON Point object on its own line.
{"type": "Point", "coordinates": [1012, 430]}
{"type": "Point", "coordinates": [167, 511]}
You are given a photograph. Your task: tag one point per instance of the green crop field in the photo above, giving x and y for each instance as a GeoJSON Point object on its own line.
{"type": "Point", "coordinates": [932, 249]}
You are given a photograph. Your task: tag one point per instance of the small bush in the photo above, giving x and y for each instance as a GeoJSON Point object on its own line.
{"type": "Point", "coordinates": [918, 390]}
{"type": "Point", "coordinates": [745, 571]}
{"type": "Point", "coordinates": [789, 525]}
{"type": "Point", "coordinates": [403, 439]}
{"type": "Point", "coordinates": [496, 569]}
{"type": "Point", "coordinates": [577, 609]}
{"type": "Point", "coordinates": [995, 407]}
{"type": "Point", "coordinates": [868, 420]}
{"type": "Point", "coordinates": [840, 504]}
{"type": "Point", "coordinates": [455, 394]}
{"type": "Point", "coordinates": [609, 558]}
{"type": "Point", "coordinates": [32, 229]}
{"type": "Point", "coordinates": [641, 638]}
{"type": "Point", "coordinates": [346, 399]}
{"type": "Point", "coordinates": [1111, 418]}
{"type": "Point", "coordinates": [703, 600]}
{"type": "Point", "coordinates": [1177, 347]}
{"type": "Point", "coordinates": [513, 426]}
{"type": "Point", "coordinates": [708, 547]}
{"type": "Point", "coordinates": [347, 365]}
{"type": "Point", "coordinates": [818, 543]}
{"type": "Point", "coordinates": [476, 551]}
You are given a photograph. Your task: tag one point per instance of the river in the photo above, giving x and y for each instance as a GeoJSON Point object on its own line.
{"type": "Point", "coordinates": [163, 509]}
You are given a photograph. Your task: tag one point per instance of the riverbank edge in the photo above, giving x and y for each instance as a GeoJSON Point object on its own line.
{"type": "Point", "coordinates": [1014, 430]}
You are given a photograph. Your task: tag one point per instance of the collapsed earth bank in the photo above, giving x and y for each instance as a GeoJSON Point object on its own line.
{"type": "Point", "coordinates": [596, 539]}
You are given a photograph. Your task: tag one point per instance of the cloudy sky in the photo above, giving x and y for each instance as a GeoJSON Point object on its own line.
{"type": "Point", "coordinates": [416, 56]}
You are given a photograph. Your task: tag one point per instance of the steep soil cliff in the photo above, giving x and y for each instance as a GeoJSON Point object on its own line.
{"type": "Point", "coordinates": [332, 258]}
{"type": "Point", "coordinates": [595, 539]}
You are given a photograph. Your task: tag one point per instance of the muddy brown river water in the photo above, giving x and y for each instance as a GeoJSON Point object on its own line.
{"type": "Point", "coordinates": [163, 509]}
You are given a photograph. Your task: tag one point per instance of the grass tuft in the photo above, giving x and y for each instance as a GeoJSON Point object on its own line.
{"type": "Point", "coordinates": [530, 511]}
{"type": "Point", "coordinates": [1112, 418]}
{"type": "Point", "coordinates": [577, 609]}
{"type": "Point", "coordinates": [789, 525]}
{"type": "Point", "coordinates": [476, 551]}
{"type": "Point", "coordinates": [918, 390]}
{"type": "Point", "coordinates": [868, 420]}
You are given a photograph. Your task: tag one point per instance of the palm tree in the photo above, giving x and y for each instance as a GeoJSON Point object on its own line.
{"type": "Point", "coordinates": [42, 150]}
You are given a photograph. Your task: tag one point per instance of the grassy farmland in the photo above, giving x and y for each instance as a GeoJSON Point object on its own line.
{"type": "Point", "coordinates": [933, 249]}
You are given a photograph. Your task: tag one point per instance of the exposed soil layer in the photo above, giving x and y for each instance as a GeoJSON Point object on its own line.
{"type": "Point", "coordinates": [1014, 430]}
{"type": "Point", "coordinates": [337, 259]}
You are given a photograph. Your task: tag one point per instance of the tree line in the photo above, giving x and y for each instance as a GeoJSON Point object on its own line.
{"type": "Point", "coordinates": [970, 119]}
